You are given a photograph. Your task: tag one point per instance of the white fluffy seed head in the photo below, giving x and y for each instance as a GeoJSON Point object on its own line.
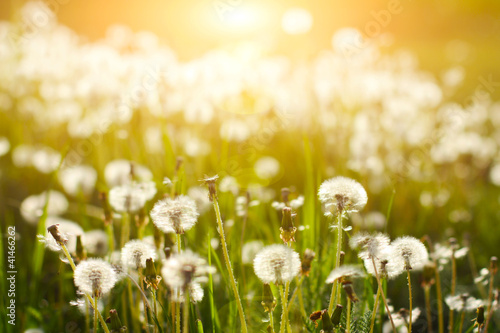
{"type": "Point", "coordinates": [131, 197]}
{"type": "Point", "coordinates": [276, 264]}
{"type": "Point", "coordinates": [94, 276]}
{"type": "Point", "coordinates": [370, 245]}
{"type": "Point", "coordinates": [342, 193]}
{"type": "Point", "coordinates": [68, 228]}
{"type": "Point", "coordinates": [136, 252]}
{"type": "Point", "coordinates": [175, 215]}
{"type": "Point", "coordinates": [185, 269]}
{"type": "Point", "coordinates": [409, 253]}
{"type": "Point", "coordinates": [345, 271]}
{"type": "Point", "coordinates": [463, 302]}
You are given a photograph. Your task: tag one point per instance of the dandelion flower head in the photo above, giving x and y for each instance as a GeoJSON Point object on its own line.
{"type": "Point", "coordinates": [276, 264]}
{"type": "Point", "coordinates": [342, 193]}
{"type": "Point", "coordinates": [409, 252]}
{"type": "Point", "coordinates": [175, 215]}
{"type": "Point", "coordinates": [345, 271]}
{"type": "Point", "coordinates": [185, 269]}
{"type": "Point", "coordinates": [135, 253]}
{"type": "Point", "coordinates": [94, 276]}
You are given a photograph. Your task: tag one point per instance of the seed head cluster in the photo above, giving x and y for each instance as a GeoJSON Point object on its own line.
{"type": "Point", "coordinates": [185, 270]}
{"type": "Point", "coordinates": [136, 252]}
{"type": "Point", "coordinates": [175, 215]}
{"type": "Point", "coordinates": [409, 253]}
{"type": "Point", "coordinates": [94, 276]}
{"type": "Point", "coordinates": [342, 193]}
{"type": "Point", "coordinates": [276, 264]}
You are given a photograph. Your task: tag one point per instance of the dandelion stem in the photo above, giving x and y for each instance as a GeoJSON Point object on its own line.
{"type": "Point", "coordinates": [427, 291]}
{"type": "Point", "coordinates": [228, 265]}
{"type": "Point", "coordinates": [490, 300]}
{"type": "Point", "coordinates": [439, 299]}
{"type": "Point", "coordinates": [141, 286]}
{"type": "Point", "coordinates": [283, 307]}
{"type": "Point", "coordinates": [125, 232]}
{"type": "Point", "coordinates": [348, 318]}
{"type": "Point", "coordinates": [374, 313]}
{"type": "Point", "coordinates": [185, 326]}
{"type": "Point", "coordinates": [335, 296]}
{"type": "Point", "coordinates": [462, 318]}
{"type": "Point", "coordinates": [453, 284]}
{"type": "Point", "coordinates": [271, 320]}
{"type": "Point", "coordinates": [89, 298]}
{"type": "Point", "coordinates": [410, 299]}
{"type": "Point", "coordinates": [95, 315]}
{"type": "Point", "coordinates": [177, 304]}
{"type": "Point", "coordinates": [383, 296]}
{"type": "Point", "coordinates": [155, 308]}
{"type": "Point", "coordinates": [87, 315]}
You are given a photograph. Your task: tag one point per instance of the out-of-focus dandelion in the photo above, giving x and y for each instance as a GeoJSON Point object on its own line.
{"type": "Point", "coordinates": [69, 230]}
{"type": "Point", "coordinates": [121, 172]}
{"type": "Point", "coordinates": [175, 215]}
{"type": "Point", "coordinates": [76, 179]}
{"type": "Point", "coordinates": [96, 242]}
{"type": "Point", "coordinates": [276, 264]}
{"type": "Point", "coordinates": [135, 253]}
{"type": "Point", "coordinates": [131, 197]}
{"type": "Point", "coordinates": [32, 207]}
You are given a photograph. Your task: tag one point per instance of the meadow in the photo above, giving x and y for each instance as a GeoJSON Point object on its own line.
{"type": "Point", "coordinates": [242, 191]}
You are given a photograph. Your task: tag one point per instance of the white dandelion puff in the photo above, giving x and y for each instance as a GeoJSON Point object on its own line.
{"type": "Point", "coordinates": [342, 193]}
{"type": "Point", "coordinates": [249, 250]}
{"type": "Point", "coordinates": [463, 302]}
{"type": "Point", "coordinates": [80, 178]}
{"type": "Point", "coordinates": [371, 245]}
{"type": "Point", "coordinates": [96, 242]}
{"type": "Point", "coordinates": [175, 215]}
{"type": "Point", "coordinates": [184, 269]}
{"type": "Point", "coordinates": [409, 252]}
{"type": "Point", "coordinates": [131, 197]}
{"type": "Point", "coordinates": [135, 253]}
{"type": "Point", "coordinates": [120, 172]}
{"type": "Point", "coordinates": [94, 276]}
{"type": "Point", "coordinates": [32, 207]}
{"type": "Point", "coordinates": [345, 271]}
{"type": "Point", "coordinates": [276, 264]}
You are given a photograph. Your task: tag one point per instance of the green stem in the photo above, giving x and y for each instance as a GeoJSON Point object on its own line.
{"type": "Point", "coordinates": [410, 299]}
{"type": "Point", "coordinates": [283, 307]}
{"type": "Point", "coordinates": [295, 292]}
{"type": "Point", "coordinates": [490, 300]}
{"type": "Point", "coordinates": [89, 298]}
{"type": "Point", "coordinates": [348, 319]}
{"type": "Point", "coordinates": [383, 296]}
{"type": "Point", "coordinates": [185, 326]}
{"type": "Point", "coordinates": [439, 298]}
{"type": "Point", "coordinates": [155, 308]}
{"type": "Point", "coordinates": [228, 266]}
{"type": "Point", "coordinates": [87, 315]}
{"type": "Point", "coordinates": [462, 318]}
{"type": "Point", "coordinates": [427, 291]}
{"type": "Point", "coordinates": [125, 232]}
{"type": "Point", "coordinates": [134, 318]}
{"type": "Point", "coordinates": [178, 291]}
{"type": "Point", "coordinates": [111, 237]}
{"type": "Point", "coordinates": [271, 321]}
{"type": "Point", "coordinates": [141, 286]}
{"type": "Point", "coordinates": [95, 315]}
{"type": "Point", "coordinates": [452, 292]}
{"type": "Point", "coordinates": [335, 296]}
{"type": "Point", "coordinates": [374, 312]}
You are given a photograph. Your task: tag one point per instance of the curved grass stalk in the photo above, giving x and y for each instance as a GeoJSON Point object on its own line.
{"type": "Point", "coordinates": [374, 312]}
{"type": "Point", "coordinates": [383, 296]}
{"type": "Point", "coordinates": [232, 280]}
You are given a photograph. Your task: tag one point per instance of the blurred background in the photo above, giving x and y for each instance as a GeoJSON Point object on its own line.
{"type": "Point", "coordinates": [402, 96]}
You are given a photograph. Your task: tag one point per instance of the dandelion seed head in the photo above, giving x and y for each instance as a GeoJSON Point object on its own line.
{"type": "Point", "coordinates": [94, 276]}
{"type": "Point", "coordinates": [96, 242]}
{"type": "Point", "coordinates": [182, 270]}
{"type": "Point", "coordinates": [409, 252]}
{"type": "Point", "coordinates": [135, 253]}
{"type": "Point", "coordinates": [78, 178]}
{"type": "Point", "coordinates": [249, 250]}
{"type": "Point", "coordinates": [342, 193]}
{"type": "Point", "coordinates": [175, 215]}
{"type": "Point", "coordinates": [276, 264]}
{"type": "Point", "coordinates": [371, 245]}
{"type": "Point", "coordinates": [131, 197]}
{"type": "Point", "coordinates": [119, 172]}
{"type": "Point", "coordinates": [200, 196]}
{"type": "Point", "coordinates": [463, 302]}
{"type": "Point", "coordinates": [32, 207]}
{"type": "Point", "coordinates": [345, 271]}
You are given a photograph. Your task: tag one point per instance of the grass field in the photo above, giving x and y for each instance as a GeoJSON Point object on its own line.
{"type": "Point", "coordinates": [128, 139]}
